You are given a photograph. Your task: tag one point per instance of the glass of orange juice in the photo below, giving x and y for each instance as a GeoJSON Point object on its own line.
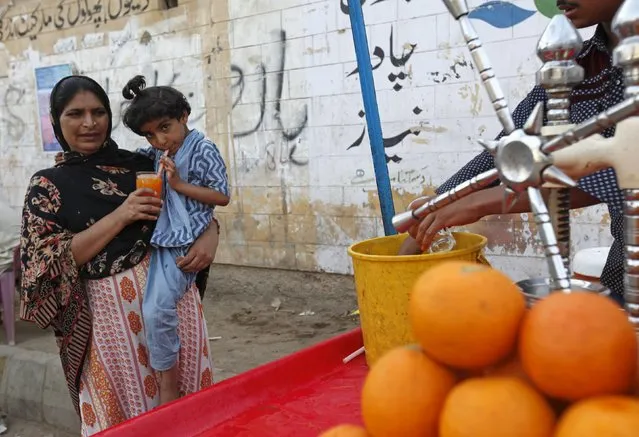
{"type": "Point", "coordinates": [149, 179]}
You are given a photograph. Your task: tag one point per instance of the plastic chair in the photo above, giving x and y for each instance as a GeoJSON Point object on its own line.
{"type": "Point", "coordinates": [7, 297]}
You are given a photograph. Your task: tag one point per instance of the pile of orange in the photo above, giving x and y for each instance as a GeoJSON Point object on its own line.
{"type": "Point", "coordinates": [486, 366]}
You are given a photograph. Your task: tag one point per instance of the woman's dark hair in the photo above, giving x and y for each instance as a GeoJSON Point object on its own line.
{"type": "Point", "coordinates": [148, 104]}
{"type": "Point", "coordinates": [64, 91]}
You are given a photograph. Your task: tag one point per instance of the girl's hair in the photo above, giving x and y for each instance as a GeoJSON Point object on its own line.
{"type": "Point", "coordinates": [64, 91]}
{"type": "Point", "coordinates": [153, 103]}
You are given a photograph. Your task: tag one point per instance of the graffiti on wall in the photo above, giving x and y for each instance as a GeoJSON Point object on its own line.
{"type": "Point", "coordinates": [282, 149]}
{"type": "Point", "coordinates": [68, 14]}
{"type": "Point", "coordinates": [398, 62]}
{"type": "Point", "coordinates": [391, 141]}
{"type": "Point", "coordinates": [11, 122]}
{"type": "Point", "coordinates": [499, 14]}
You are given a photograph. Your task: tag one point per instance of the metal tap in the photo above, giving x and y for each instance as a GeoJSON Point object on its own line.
{"type": "Point", "coordinates": [626, 56]}
{"type": "Point", "coordinates": [558, 48]}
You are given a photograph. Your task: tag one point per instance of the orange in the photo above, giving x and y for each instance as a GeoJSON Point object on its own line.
{"type": "Point", "coordinates": [466, 315]}
{"type": "Point", "coordinates": [578, 345]}
{"type": "Point", "coordinates": [403, 394]}
{"type": "Point", "coordinates": [463, 374]}
{"type": "Point", "coordinates": [345, 431]}
{"type": "Point", "coordinates": [510, 367]}
{"type": "Point", "coordinates": [636, 385]}
{"type": "Point", "coordinates": [607, 416]}
{"type": "Point", "coordinates": [496, 407]}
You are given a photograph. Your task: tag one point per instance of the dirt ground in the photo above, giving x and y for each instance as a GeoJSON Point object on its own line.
{"type": "Point", "coordinates": [262, 315]}
{"type": "Point", "coordinates": [23, 428]}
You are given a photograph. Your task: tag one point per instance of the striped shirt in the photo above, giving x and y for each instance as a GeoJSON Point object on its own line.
{"type": "Point", "coordinates": [206, 168]}
{"type": "Point", "coordinates": [602, 88]}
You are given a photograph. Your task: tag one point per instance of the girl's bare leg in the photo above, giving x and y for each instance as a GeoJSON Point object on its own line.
{"type": "Point", "coordinates": [168, 380]}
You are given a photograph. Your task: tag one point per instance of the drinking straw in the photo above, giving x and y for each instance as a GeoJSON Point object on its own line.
{"type": "Point", "coordinates": [161, 166]}
{"type": "Point", "coordinates": [354, 355]}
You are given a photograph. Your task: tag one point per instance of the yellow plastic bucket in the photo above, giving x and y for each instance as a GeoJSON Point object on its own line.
{"type": "Point", "coordinates": [384, 280]}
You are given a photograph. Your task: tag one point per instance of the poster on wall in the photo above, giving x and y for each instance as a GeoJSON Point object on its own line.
{"type": "Point", "coordinates": [46, 78]}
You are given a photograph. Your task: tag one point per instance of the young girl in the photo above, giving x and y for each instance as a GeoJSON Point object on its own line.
{"type": "Point", "coordinates": [194, 182]}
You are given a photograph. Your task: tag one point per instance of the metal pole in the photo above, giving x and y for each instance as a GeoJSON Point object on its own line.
{"type": "Point", "coordinates": [372, 115]}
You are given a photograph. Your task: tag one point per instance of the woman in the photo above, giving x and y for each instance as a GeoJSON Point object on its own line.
{"type": "Point", "coordinates": [85, 240]}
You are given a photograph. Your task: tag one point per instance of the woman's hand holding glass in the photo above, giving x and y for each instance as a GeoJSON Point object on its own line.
{"type": "Point", "coordinates": [140, 205]}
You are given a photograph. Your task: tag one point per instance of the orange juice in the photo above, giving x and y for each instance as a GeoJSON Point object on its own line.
{"type": "Point", "coordinates": [149, 179]}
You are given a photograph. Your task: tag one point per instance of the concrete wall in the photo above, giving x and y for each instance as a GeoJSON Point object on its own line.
{"type": "Point", "coordinates": [273, 82]}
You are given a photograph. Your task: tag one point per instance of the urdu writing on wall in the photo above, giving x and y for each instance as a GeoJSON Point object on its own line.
{"type": "Point", "coordinates": [67, 15]}
{"type": "Point", "coordinates": [499, 14]}
{"type": "Point", "coordinates": [288, 133]}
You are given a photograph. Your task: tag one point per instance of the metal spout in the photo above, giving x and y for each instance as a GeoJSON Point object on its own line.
{"type": "Point", "coordinates": [631, 265]}
{"type": "Point", "coordinates": [626, 21]}
{"type": "Point", "coordinates": [558, 48]}
{"type": "Point", "coordinates": [403, 221]}
{"type": "Point", "coordinates": [560, 41]}
{"type": "Point", "coordinates": [626, 54]}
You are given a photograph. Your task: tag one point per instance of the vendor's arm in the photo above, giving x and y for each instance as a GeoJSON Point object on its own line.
{"type": "Point", "coordinates": [480, 163]}
{"type": "Point", "coordinates": [483, 203]}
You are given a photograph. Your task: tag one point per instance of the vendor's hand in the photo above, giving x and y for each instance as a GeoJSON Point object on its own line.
{"type": "Point", "coordinates": [460, 213]}
{"type": "Point", "coordinates": [172, 175]}
{"type": "Point", "coordinates": [202, 251]}
{"type": "Point", "coordinates": [59, 157]}
{"type": "Point", "coordinates": [140, 205]}
{"type": "Point", "coordinates": [418, 202]}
